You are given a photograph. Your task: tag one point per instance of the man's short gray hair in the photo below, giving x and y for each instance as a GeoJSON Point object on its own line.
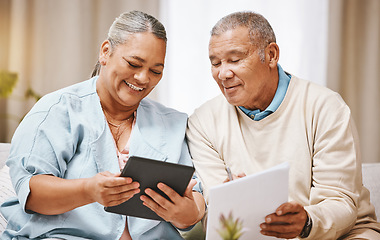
{"type": "Point", "coordinates": [260, 31]}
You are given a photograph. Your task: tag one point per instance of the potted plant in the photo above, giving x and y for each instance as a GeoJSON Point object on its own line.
{"type": "Point", "coordinates": [230, 228]}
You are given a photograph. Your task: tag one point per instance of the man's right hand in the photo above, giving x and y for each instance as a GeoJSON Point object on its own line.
{"type": "Point", "coordinates": [240, 175]}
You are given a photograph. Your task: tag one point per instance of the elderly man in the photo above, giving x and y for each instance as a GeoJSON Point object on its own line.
{"type": "Point", "coordinates": [268, 116]}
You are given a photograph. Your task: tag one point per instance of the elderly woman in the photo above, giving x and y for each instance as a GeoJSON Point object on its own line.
{"type": "Point", "coordinates": [67, 153]}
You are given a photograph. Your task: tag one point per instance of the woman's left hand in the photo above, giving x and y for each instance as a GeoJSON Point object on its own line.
{"type": "Point", "coordinates": [182, 212]}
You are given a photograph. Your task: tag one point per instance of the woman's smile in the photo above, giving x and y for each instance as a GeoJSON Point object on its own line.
{"type": "Point", "coordinates": [133, 86]}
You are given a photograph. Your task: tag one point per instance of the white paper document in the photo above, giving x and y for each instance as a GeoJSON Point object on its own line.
{"type": "Point", "coordinates": [248, 200]}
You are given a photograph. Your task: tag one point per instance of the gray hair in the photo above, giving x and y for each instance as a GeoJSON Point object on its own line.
{"type": "Point", "coordinates": [260, 31]}
{"type": "Point", "coordinates": [129, 23]}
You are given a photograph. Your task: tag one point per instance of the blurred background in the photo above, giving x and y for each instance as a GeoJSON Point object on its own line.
{"type": "Point", "coordinates": [49, 44]}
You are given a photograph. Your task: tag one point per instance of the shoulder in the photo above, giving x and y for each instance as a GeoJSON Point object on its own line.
{"type": "Point", "coordinates": [156, 109]}
{"type": "Point", "coordinates": [62, 108]}
{"type": "Point", "coordinates": [70, 96]}
{"type": "Point", "coordinates": [321, 107]}
{"type": "Point", "coordinates": [151, 113]}
{"type": "Point", "coordinates": [316, 95]}
{"type": "Point", "coordinates": [213, 109]}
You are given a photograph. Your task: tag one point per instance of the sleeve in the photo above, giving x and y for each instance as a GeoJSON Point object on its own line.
{"type": "Point", "coordinates": [42, 144]}
{"type": "Point", "coordinates": [336, 172]}
{"type": "Point", "coordinates": [209, 164]}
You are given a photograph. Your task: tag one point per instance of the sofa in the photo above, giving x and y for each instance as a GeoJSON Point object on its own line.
{"type": "Point", "coordinates": [6, 189]}
{"type": "Point", "coordinates": [371, 179]}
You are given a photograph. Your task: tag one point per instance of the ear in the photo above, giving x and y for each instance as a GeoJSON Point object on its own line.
{"type": "Point", "coordinates": [105, 52]}
{"type": "Point", "coordinates": [272, 54]}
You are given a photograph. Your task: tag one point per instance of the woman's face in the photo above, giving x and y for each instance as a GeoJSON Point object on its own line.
{"type": "Point", "coordinates": [130, 71]}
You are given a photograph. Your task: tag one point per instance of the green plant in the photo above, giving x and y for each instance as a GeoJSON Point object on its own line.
{"type": "Point", "coordinates": [30, 93]}
{"type": "Point", "coordinates": [231, 229]}
{"type": "Point", "coordinates": [8, 81]}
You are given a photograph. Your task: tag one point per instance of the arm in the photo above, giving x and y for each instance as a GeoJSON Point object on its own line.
{"type": "Point", "coordinates": [336, 173]}
{"type": "Point", "coordinates": [335, 187]}
{"type": "Point", "coordinates": [210, 167]}
{"type": "Point", "coordinates": [52, 195]}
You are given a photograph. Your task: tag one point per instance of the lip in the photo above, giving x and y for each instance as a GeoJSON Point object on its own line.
{"type": "Point", "coordinates": [133, 87]}
{"type": "Point", "coordinates": [230, 86]}
{"type": "Point", "coordinates": [231, 89]}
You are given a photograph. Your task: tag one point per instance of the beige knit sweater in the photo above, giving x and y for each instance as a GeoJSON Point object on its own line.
{"type": "Point", "coordinates": [312, 130]}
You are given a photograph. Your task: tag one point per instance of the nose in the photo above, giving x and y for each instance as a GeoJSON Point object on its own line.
{"type": "Point", "coordinates": [142, 77]}
{"type": "Point", "coordinates": [225, 72]}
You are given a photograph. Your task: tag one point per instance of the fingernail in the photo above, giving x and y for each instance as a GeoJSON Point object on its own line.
{"type": "Point", "coordinates": [268, 219]}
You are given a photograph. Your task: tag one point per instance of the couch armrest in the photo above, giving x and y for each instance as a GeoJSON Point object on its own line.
{"type": "Point", "coordinates": [5, 193]}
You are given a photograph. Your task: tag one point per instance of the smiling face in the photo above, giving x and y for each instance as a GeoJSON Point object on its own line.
{"type": "Point", "coordinates": [236, 66]}
{"type": "Point", "coordinates": [130, 71]}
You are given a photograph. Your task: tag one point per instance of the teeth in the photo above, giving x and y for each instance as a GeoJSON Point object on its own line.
{"type": "Point", "coordinates": [134, 87]}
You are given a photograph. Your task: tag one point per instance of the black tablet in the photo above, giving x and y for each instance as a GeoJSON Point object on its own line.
{"type": "Point", "coordinates": [149, 173]}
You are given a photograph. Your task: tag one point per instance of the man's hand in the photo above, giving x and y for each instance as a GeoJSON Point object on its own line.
{"type": "Point", "coordinates": [240, 175]}
{"type": "Point", "coordinates": [287, 222]}
{"type": "Point", "coordinates": [182, 212]}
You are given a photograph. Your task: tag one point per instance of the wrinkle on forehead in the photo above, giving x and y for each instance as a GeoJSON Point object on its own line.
{"type": "Point", "coordinates": [231, 42]}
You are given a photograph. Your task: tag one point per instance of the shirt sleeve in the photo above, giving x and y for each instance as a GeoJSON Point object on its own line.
{"type": "Point", "coordinates": [207, 161]}
{"type": "Point", "coordinates": [336, 172]}
{"type": "Point", "coordinates": [42, 144]}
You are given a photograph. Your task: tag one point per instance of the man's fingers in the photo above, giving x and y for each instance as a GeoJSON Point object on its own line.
{"type": "Point", "coordinates": [286, 222]}
{"type": "Point", "coordinates": [289, 207]}
{"type": "Point", "coordinates": [279, 235]}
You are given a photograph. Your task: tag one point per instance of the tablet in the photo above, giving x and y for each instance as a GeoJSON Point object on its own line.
{"type": "Point", "coordinates": [149, 173]}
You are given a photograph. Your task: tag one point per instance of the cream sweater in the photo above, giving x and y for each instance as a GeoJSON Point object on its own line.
{"type": "Point", "coordinates": [312, 130]}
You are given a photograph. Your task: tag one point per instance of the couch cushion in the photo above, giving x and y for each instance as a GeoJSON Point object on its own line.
{"type": "Point", "coordinates": [371, 180]}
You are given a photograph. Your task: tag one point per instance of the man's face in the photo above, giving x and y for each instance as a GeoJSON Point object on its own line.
{"type": "Point", "coordinates": [236, 67]}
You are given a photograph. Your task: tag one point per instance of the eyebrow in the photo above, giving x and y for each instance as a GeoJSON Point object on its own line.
{"type": "Point", "coordinates": [144, 61]}
{"type": "Point", "coordinates": [231, 52]}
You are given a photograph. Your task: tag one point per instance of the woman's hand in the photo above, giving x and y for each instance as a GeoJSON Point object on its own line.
{"type": "Point", "coordinates": [110, 189]}
{"type": "Point", "coordinates": [287, 222]}
{"type": "Point", "coordinates": [52, 195]}
{"type": "Point", "coordinates": [182, 212]}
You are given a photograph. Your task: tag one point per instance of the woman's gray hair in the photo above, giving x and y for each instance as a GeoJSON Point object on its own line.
{"type": "Point", "coordinates": [130, 23]}
{"type": "Point", "coordinates": [260, 31]}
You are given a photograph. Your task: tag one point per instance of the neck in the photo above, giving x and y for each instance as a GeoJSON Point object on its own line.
{"type": "Point", "coordinates": [117, 119]}
{"type": "Point", "coordinates": [265, 98]}
{"type": "Point", "coordinates": [113, 110]}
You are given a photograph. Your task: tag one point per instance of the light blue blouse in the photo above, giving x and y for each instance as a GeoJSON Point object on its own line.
{"type": "Point", "coordinates": [66, 135]}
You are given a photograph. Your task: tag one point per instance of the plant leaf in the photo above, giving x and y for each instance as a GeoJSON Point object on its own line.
{"type": "Point", "coordinates": [7, 83]}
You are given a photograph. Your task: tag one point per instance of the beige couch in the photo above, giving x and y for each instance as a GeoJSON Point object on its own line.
{"type": "Point", "coordinates": [371, 179]}
{"type": "Point", "coordinates": [6, 189]}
